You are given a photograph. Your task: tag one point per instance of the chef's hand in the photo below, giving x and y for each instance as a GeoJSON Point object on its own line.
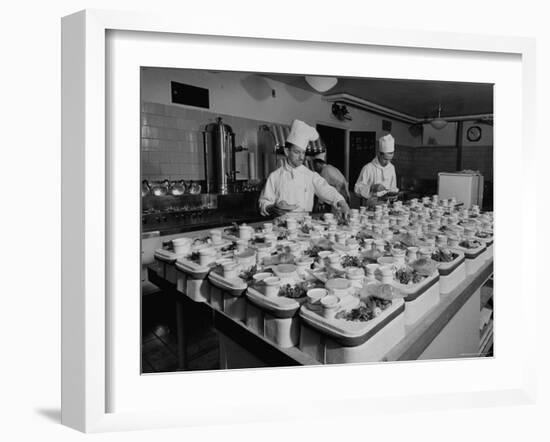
{"type": "Point", "coordinates": [281, 207]}
{"type": "Point", "coordinates": [377, 188]}
{"type": "Point", "coordinates": [343, 209]}
{"type": "Point", "coordinates": [370, 203]}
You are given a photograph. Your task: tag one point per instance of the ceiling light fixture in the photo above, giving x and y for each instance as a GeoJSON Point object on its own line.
{"type": "Point", "coordinates": [438, 123]}
{"type": "Point", "coordinates": [321, 84]}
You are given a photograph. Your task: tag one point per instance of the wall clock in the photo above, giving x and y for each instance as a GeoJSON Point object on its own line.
{"type": "Point", "coordinates": [473, 133]}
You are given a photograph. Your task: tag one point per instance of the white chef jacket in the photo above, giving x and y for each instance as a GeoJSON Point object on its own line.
{"type": "Point", "coordinates": [296, 185]}
{"type": "Point", "coordinates": [374, 173]}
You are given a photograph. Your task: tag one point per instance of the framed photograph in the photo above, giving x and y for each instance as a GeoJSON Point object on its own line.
{"type": "Point", "coordinates": [170, 131]}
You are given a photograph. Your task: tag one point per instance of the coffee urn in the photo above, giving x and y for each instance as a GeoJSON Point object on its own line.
{"type": "Point", "coordinates": [219, 157]}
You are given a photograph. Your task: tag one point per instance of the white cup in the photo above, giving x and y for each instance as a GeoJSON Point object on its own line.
{"type": "Point", "coordinates": [216, 236]}
{"type": "Point", "coordinates": [230, 270]}
{"type": "Point", "coordinates": [330, 305]}
{"type": "Point", "coordinates": [207, 255]}
{"type": "Point", "coordinates": [314, 297]}
{"type": "Point", "coordinates": [182, 246]}
{"type": "Point", "coordinates": [387, 273]}
{"type": "Point", "coordinates": [272, 286]}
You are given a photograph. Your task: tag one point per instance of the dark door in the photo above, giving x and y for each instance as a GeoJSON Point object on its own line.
{"type": "Point", "coordinates": [335, 140]}
{"type": "Point", "coordinates": [362, 147]}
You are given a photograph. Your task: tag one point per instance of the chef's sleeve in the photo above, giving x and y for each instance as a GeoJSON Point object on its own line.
{"type": "Point", "coordinates": [325, 191]}
{"type": "Point", "coordinates": [364, 183]}
{"type": "Point", "coordinates": [393, 183]}
{"type": "Point", "coordinates": [268, 197]}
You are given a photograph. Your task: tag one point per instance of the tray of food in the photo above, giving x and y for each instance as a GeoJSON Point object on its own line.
{"type": "Point", "coordinates": [234, 285]}
{"type": "Point", "coordinates": [287, 300]}
{"type": "Point", "coordinates": [192, 267]}
{"type": "Point", "coordinates": [447, 259]}
{"type": "Point", "coordinates": [356, 322]}
{"type": "Point", "coordinates": [416, 278]}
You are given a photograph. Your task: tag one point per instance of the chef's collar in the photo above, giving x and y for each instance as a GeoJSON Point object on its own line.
{"type": "Point", "coordinates": [292, 169]}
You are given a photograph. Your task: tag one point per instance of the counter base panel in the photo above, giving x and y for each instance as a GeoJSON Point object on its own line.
{"type": "Point", "coordinates": [255, 318]}
{"type": "Point", "coordinates": [198, 290]}
{"type": "Point", "coordinates": [414, 310]}
{"type": "Point", "coordinates": [235, 307]}
{"type": "Point", "coordinates": [474, 265]}
{"type": "Point", "coordinates": [285, 332]}
{"type": "Point", "coordinates": [451, 281]}
{"type": "Point", "coordinates": [460, 337]}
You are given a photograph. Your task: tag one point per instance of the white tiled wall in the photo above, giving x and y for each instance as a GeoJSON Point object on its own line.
{"type": "Point", "coordinates": [172, 144]}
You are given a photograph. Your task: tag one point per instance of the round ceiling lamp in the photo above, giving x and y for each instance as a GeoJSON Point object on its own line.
{"type": "Point", "coordinates": [321, 84]}
{"type": "Point", "coordinates": [438, 123]}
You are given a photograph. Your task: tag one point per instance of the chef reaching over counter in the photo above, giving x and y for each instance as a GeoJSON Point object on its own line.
{"type": "Point", "coordinates": [292, 186]}
{"type": "Point", "coordinates": [377, 178]}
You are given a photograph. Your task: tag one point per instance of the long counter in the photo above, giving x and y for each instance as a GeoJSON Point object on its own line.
{"type": "Point", "coordinates": [448, 330]}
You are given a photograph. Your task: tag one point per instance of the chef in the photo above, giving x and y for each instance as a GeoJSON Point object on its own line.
{"type": "Point", "coordinates": [378, 177]}
{"type": "Point", "coordinates": [292, 186]}
{"type": "Point", "coordinates": [330, 173]}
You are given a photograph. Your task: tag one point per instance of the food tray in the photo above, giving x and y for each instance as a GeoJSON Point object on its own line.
{"type": "Point", "coordinates": [475, 258]}
{"type": "Point", "coordinates": [192, 269]}
{"type": "Point", "coordinates": [278, 306]}
{"type": "Point", "coordinates": [234, 287]}
{"type": "Point", "coordinates": [488, 244]}
{"type": "Point", "coordinates": [452, 273]}
{"type": "Point", "coordinates": [223, 243]}
{"type": "Point", "coordinates": [333, 341]}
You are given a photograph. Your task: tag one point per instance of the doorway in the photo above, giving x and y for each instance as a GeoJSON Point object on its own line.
{"type": "Point", "coordinates": [335, 140]}
{"type": "Point", "coordinates": [362, 148]}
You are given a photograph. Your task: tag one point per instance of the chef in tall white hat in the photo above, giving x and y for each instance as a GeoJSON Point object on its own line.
{"type": "Point", "coordinates": [292, 187]}
{"type": "Point", "coordinates": [378, 177]}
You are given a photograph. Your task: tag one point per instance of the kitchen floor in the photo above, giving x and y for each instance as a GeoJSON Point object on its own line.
{"type": "Point", "coordinates": [159, 337]}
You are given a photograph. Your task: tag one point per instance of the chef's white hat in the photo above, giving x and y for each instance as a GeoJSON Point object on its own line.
{"type": "Point", "coordinates": [321, 156]}
{"type": "Point", "coordinates": [301, 134]}
{"type": "Point", "coordinates": [386, 144]}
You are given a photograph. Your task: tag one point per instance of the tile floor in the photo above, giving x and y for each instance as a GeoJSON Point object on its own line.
{"type": "Point", "coordinates": [159, 337]}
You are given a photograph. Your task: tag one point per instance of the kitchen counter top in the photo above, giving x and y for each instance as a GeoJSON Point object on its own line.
{"type": "Point", "coordinates": [210, 221]}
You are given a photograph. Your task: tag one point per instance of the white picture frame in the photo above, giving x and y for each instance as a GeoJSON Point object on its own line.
{"type": "Point", "coordinates": [87, 207]}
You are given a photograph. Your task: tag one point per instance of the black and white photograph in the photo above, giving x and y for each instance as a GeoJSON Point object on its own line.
{"type": "Point", "coordinates": [301, 220]}
{"type": "Point", "coordinates": [243, 221]}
